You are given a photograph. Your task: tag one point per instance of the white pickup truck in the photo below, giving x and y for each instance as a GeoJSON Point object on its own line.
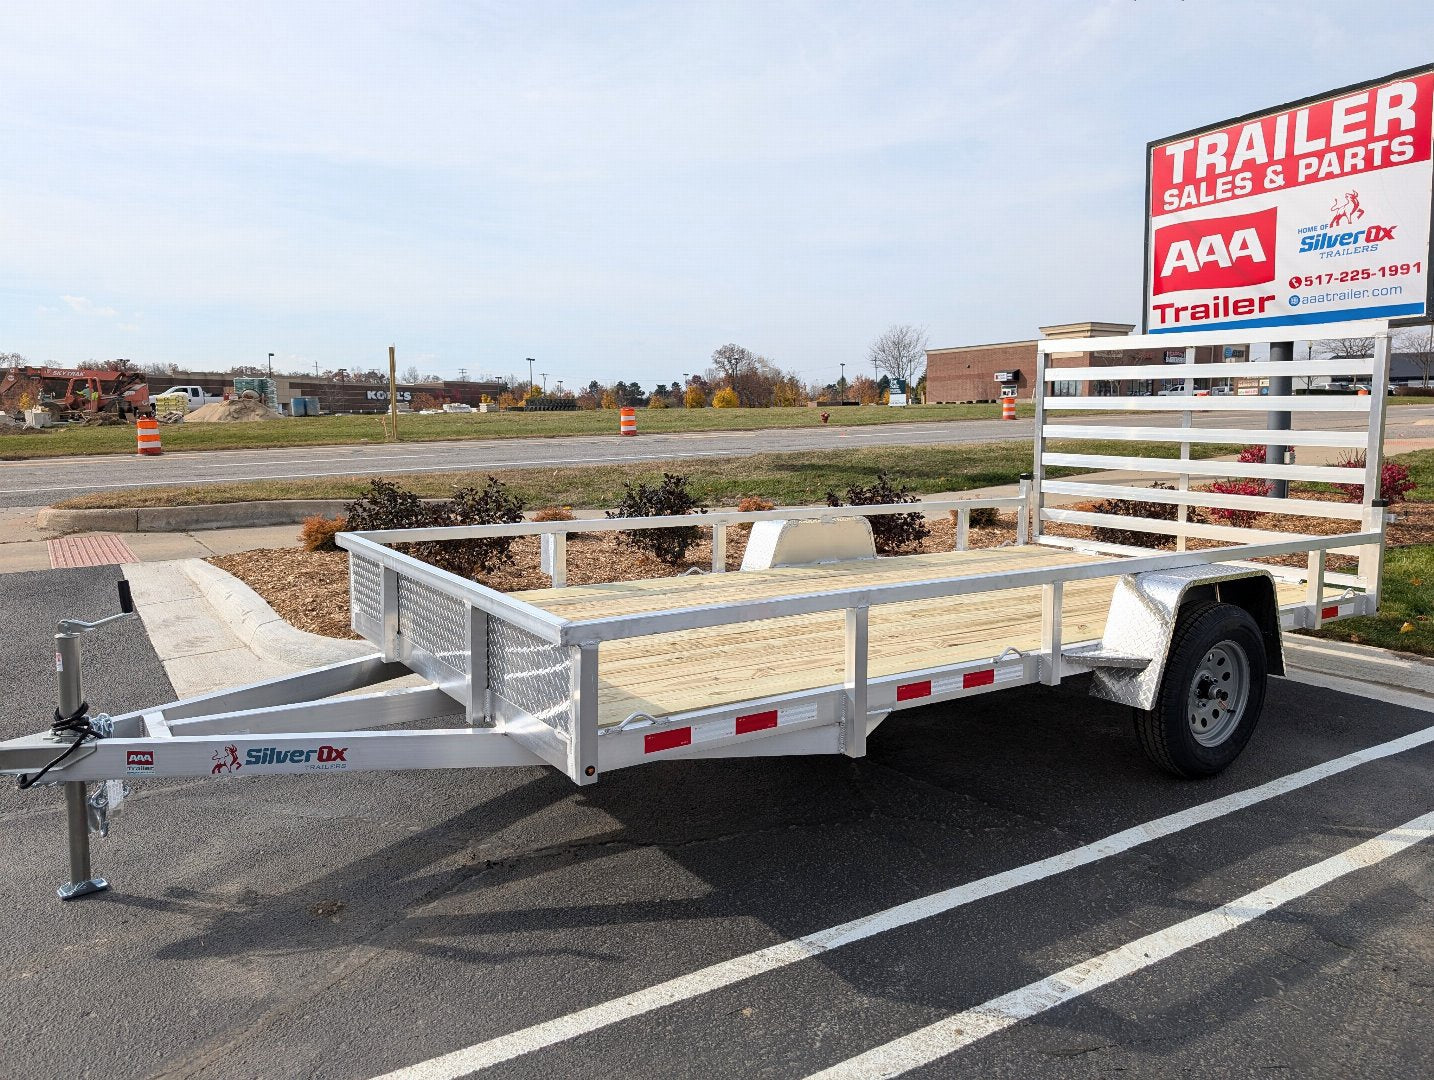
{"type": "Point", "coordinates": [197, 395]}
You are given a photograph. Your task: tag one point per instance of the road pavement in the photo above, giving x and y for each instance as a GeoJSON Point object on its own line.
{"type": "Point", "coordinates": [350, 925]}
{"type": "Point", "coordinates": [42, 482]}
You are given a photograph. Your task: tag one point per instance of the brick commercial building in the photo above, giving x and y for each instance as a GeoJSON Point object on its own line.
{"type": "Point", "coordinates": [349, 396]}
{"type": "Point", "coordinates": [987, 372]}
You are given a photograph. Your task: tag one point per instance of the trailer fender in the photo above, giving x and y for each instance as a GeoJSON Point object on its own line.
{"type": "Point", "coordinates": [1145, 608]}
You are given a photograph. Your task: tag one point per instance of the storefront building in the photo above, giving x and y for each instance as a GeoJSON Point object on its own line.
{"type": "Point", "coordinates": [988, 372]}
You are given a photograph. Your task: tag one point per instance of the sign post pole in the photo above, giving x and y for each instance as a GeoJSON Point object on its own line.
{"type": "Point", "coordinates": [392, 395]}
{"type": "Point", "coordinates": [1280, 386]}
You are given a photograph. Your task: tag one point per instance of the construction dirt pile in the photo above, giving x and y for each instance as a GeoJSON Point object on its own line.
{"type": "Point", "coordinates": [233, 411]}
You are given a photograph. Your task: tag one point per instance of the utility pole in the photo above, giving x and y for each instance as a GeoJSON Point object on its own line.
{"type": "Point", "coordinates": [392, 395]}
{"type": "Point", "coordinates": [463, 374]}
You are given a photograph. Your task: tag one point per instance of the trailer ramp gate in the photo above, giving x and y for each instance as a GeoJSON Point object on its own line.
{"type": "Point", "coordinates": [800, 659]}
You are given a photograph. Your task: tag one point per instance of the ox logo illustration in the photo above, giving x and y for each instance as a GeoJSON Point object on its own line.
{"type": "Point", "coordinates": [226, 760]}
{"type": "Point", "coordinates": [1347, 212]}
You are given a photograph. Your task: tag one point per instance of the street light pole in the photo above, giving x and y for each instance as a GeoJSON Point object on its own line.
{"type": "Point", "coordinates": [686, 381]}
{"type": "Point", "coordinates": [531, 362]}
{"type": "Point", "coordinates": [271, 365]}
{"type": "Point", "coordinates": [544, 374]}
{"type": "Point", "coordinates": [843, 382]}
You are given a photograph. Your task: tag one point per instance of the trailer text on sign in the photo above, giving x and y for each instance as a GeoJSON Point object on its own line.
{"type": "Point", "coordinates": [1314, 212]}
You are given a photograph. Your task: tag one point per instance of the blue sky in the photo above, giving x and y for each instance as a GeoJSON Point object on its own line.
{"type": "Point", "coordinates": [615, 189]}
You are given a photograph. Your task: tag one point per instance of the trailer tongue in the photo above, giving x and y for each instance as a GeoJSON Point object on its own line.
{"type": "Point", "coordinates": [810, 656]}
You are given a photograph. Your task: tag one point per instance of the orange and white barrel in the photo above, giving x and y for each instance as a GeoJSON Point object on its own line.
{"type": "Point", "coordinates": [628, 422]}
{"type": "Point", "coordinates": [147, 435]}
{"type": "Point", "coordinates": [1008, 408]}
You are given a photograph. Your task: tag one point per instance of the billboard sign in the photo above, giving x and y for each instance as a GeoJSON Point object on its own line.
{"type": "Point", "coordinates": [1313, 212]}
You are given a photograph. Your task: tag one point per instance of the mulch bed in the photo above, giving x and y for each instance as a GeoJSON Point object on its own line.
{"type": "Point", "coordinates": [310, 589]}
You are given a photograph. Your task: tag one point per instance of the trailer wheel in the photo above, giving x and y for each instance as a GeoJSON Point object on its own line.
{"type": "Point", "coordinates": [1212, 693]}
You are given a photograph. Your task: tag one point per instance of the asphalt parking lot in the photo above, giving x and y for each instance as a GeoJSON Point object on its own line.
{"type": "Point", "coordinates": [426, 924]}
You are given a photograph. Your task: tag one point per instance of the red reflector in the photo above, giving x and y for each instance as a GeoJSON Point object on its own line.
{"type": "Point", "coordinates": [978, 678]}
{"type": "Point", "coordinates": [757, 721]}
{"type": "Point", "coordinates": [913, 690]}
{"type": "Point", "coordinates": [666, 740]}
{"type": "Point", "coordinates": [1330, 613]}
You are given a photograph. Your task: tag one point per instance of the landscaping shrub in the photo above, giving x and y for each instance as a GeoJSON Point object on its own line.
{"type": "Point", "coordinates": [1394, 480]}
{"type": "Point", "coordinates": [553, 513]}
{"type": "Point", "coordinates": [1134, 508]}
{"type": "Point", "coordinates": [726, 398]}
{"type": "Point", "coordinates": [670, 497]}
{"type": "Point", "coordinates": [657, 401]}
{"type": "Point", "coordinates": [1253, 455]}
{"type": "Point", "coordinates": [982, 517]}
{"type": "Point", "coordinates": [318, 532]}
{"type": "Point", "coordinates": [492, 504]}
{"type": "Point", "coordinates": [893, 533]}
{"type": "Point", "coordinates": [694, 398]}
{"type": "Point", "coordinates": [385, 505]}
{"type": "Point", "coordinates": [1240, 518]}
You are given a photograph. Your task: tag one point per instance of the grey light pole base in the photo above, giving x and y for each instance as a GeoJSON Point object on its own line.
{"type": "Point", "coordinates": [76, 889]}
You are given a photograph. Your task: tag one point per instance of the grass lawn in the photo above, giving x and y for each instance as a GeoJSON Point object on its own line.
{"type": "Point", "coordinates": [1408, 583]}
{"type": "Point", "coordinates": [1407, 600]}
{"type": "Point", "coordinates": [342, 430]}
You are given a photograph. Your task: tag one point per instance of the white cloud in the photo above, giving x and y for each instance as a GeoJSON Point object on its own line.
{"type": "Point", "coordinates": [83, 305]}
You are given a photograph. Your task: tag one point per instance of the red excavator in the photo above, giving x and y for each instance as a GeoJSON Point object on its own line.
{"type": "Point", "coordinates": [73, 393]}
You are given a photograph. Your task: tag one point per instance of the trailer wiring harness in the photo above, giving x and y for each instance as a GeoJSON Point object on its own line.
{"type": "Point", "coordinates": [79, 725]}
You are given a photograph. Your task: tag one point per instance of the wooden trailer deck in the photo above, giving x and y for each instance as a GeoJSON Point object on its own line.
{"type": "Point", "coordinates": [695, 669]}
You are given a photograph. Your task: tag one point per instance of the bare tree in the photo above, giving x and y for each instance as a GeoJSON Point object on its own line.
{"type": "Point", "coordinates": [410, 375]}
{"type": "Point", "coordinates": [732, 362]}
{"type": "Point", "coordinates": [900, 352]}
{"type": "Point", "coordinates": [1353, 348]}
{"type": "Point", "coordinates": [1417, 343]}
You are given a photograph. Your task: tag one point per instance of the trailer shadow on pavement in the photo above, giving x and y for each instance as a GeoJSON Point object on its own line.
{"type": "Point", "coordinates": [347, 925]}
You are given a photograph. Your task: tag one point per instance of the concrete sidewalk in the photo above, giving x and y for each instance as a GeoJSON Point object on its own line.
{"type": "Point", "coordinates": [24, 545]}
{"type": "Point", "coordinates": [210, 630]}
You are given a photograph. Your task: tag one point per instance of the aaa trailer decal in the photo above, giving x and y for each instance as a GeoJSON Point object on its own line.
{"type": "Point", "coordinates": [1311, 213]}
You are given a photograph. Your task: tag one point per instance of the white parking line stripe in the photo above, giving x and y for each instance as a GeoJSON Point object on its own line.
{"type": "Point", "coordinates": [946, 1036]}
{"type": "Point", "coordinates": [716, 976]}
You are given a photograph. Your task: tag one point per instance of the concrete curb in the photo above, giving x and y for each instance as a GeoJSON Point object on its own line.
{"type": "Point", "coordinates": [260, 628]}
{"type": "Point", "coordinates": [1360, 663]}
{"type": "Point", "coordinates": [187, 518]}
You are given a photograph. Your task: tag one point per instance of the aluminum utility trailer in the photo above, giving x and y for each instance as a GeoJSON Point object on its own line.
{"type": "Point", "coordinates": [811, 656]}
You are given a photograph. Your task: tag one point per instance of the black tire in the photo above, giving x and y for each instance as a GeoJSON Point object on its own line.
{"type": "Point", "coordinates": [1197, 728]}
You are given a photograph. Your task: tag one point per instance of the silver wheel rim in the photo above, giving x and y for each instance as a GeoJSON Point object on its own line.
{"type": "Point", "coordinates": [1218, 693]}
